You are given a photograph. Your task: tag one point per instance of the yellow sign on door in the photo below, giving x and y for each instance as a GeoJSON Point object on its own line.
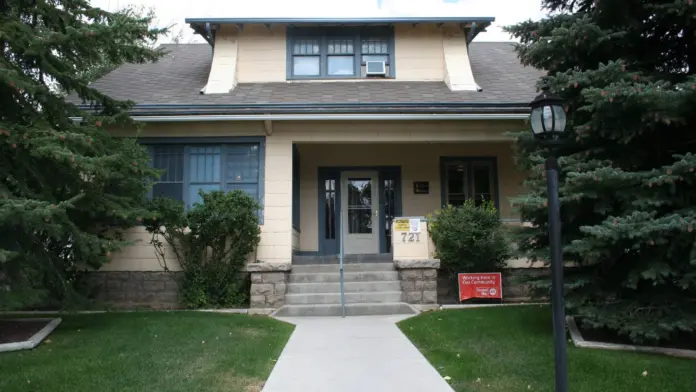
{"type": "Point", "coordinates": [402, 225]}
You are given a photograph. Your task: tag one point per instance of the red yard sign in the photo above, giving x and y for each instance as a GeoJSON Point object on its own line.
{"type": "Point", "coordinates": [480, 286]}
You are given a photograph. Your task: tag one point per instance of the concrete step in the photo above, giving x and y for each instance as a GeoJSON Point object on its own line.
{"type": "Point", "coordinates": [328, 277]}
{"type": "Point", "coordinates": [349, 287]}
{"type": "Point", "coordinates": [358, 267]}
{"type": "Point", "coordinates": [350, 258]}
{"type": "Point", "coordinates": [335, 298]}
{"type": "Point", "coordinates": [356, 309]}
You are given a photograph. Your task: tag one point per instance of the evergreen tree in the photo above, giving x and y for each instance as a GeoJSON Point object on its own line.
{"type": "Point", "coordinates": [66, 188]}
{"type": "Point", "coordinates": [628, 187]}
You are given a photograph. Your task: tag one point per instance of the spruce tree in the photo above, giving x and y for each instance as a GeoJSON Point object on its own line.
{"type": "Point", "coordinates": [66, 187]}
{"type": "Point", "coordinates": [628, 182]}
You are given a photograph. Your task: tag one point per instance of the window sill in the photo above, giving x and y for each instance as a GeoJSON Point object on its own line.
{"type": "Point", "coordinates": [334, 80]}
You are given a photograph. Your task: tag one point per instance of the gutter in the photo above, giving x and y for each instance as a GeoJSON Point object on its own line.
{"type": "Point", "coordinates": [396, 111]}
{"type": "Point", "coordinates": [324, 109]}
{"type": "Point", "coordinates": [344, 111]}
{"type": "Point", "coordinates": [197, 24]}
{"type": "Point", "coordinates": [332, 117]}
{"type": "Point", "coordinates": [310, 105]}
{"type": "Point", "coordinates": [373, 20]}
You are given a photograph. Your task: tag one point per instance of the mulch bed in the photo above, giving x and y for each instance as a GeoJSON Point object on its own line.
{"type": "Point", "coordinates": [12, 331]}
{"type": "Point", "coordinates": [681, 341]}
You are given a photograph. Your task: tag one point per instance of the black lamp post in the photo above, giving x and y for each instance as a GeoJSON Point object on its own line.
{"type": "Point", "coordinates": [548, 120]}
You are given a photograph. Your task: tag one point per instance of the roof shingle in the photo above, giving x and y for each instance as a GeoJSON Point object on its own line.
{"type": "Point", "coordinates": [178, 77]}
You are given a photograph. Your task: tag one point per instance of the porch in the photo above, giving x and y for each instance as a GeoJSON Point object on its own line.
{"type": "Point", "coordinates": [360, 188]}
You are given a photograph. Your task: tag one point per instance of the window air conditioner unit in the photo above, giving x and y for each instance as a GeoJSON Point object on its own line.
{"type": "Point", "coordinates": [375, 68]}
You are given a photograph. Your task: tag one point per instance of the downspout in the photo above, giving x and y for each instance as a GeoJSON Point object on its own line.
{"type": "Point", "coordinates": [472, 33]}
{"type": "Point", "coordinates": [209, 35]}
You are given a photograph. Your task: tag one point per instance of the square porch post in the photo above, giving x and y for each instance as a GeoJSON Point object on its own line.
{"type": "Point", "coordinates": [269, 274]}
{"type": "Point", "coordinates": [276, 230]}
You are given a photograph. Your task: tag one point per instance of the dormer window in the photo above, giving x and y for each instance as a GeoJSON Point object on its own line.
{"type": "Point", "coordinates": [338, 52]}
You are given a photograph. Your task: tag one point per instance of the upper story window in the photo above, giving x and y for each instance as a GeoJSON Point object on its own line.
{"type": "Point", "coordinates": [335, 53]}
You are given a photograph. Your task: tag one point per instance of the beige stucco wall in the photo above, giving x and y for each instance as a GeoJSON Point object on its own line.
{"type": "Point", "coordinates": [223, 68]}
{"type": "Point", "coordinates": [276, 231]}
{"type": "Point", "coordinates": [418, 162]}
{"type": "Point", "coordinates": [414, 248]}
{"type": "Point", "coordinates": [141, 256]}
{"type": "Point", "coordinates": [457, 67]}
{"type": "Point", "coordinates": [260, 56]}
{"type": "Point", "coordinates": [418, 52]}
{"type": "Point", "coordinates": [416, 146]}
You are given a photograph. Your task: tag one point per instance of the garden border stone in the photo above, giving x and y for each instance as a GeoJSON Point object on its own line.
{"type": "Point", "coordinates": [475, 306]}
{"type": "Point", "coordinates": [422, 308]}
{"type": "Point", "coordinates": [211, 310]}
{"type": "Point", "coordinates": [579, 341]}
{"type": "Point", "coordinates": [36, 339]}
{"type": "Point", "coordinates": [268, 267]}
{"type": "Point", "coordinates": [418, 263]}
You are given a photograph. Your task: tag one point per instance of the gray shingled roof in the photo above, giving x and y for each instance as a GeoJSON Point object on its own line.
{"type": "Point", "coordinates": [178, 77]}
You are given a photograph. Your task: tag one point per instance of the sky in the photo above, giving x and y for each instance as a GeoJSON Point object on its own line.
{"type": "Point", "coordinates": [173, 12]}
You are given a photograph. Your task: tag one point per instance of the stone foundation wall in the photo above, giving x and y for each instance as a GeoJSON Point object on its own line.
{"type": "Point", "coordinates": [269, 284]}
{"type": "Point", "coordinates": [418, 280]}
{"type": "Point", "coordinates": [137, 289]}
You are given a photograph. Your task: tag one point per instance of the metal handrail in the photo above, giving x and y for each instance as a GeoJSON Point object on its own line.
{"type": "Point", "coordinates": [340, 268]}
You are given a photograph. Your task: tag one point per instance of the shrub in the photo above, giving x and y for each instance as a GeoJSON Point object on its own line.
{"type": "Point", "coordinates": [469, 238]}
{"type": "Point", "coordinates": [210, 242]}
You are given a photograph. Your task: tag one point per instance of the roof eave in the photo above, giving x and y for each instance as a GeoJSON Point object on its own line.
{"type": "Point", "coordinates": [202, 25]}
{"type": "Point", "coordinates": [430, 109]}
{"type": "Point", "coordinates": [342, 20]}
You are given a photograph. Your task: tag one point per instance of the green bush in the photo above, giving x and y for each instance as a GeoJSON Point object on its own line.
{"type": "Point", "coordinates": [469, 238]}
{"type": "Point", "coordinates": [211, 243]}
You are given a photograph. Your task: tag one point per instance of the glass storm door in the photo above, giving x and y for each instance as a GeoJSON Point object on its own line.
{"type": "Point", "coordinates": [360, 212]}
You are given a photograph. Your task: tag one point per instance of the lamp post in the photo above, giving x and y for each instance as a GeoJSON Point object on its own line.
{"type": "Point", "coordinates": [548, 121]}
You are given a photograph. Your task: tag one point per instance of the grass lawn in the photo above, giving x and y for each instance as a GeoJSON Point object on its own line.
{"type": "Point", "coordinates": [149, 352]}
{"type": "Point", "coordinates": [511, 349]}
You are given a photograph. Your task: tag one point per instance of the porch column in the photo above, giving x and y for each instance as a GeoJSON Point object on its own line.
{"type": "Point", "coordinates": [276, 230]}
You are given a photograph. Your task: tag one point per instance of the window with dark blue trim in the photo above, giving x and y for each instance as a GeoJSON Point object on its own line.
{"type": "Point", "coordinates": [189, 168]}
{"type": "Point", "coordinates": [171, 160]}
{"type": "Point", "coordinates": [335, 53]}
{"type": "Point", "coordinates": [469, 178]}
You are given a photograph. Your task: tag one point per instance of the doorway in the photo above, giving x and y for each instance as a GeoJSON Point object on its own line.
{"type": "Point", "coordinates": [361, 202]}
{"type": "Point", "coordinates": [360, 212]}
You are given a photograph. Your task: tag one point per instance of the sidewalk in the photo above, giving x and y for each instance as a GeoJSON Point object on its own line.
{"type": "Point", "coordinates": [350, 355]}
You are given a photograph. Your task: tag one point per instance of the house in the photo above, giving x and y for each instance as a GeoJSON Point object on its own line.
{"type": "Point", "coordinates": [337, 127]}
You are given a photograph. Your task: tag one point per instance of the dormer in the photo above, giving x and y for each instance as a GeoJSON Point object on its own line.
{"type": "Point", "coordinates": [296, 50]}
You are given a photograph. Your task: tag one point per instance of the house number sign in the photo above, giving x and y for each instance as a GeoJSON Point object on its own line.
{"type": "Point", "coordinates": [409, 229]}
{"type": "Point", "coordinates": [410, 237]}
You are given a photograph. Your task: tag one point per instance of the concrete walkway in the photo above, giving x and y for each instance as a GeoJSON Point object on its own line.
{"type": "Point", "coordinates": [350, 355]}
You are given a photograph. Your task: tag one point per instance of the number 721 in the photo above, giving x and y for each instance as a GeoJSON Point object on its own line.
{"type": "Point", "coordinates": [410, 237]}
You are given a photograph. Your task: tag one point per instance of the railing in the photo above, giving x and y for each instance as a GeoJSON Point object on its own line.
{"type": "Point", "coordinates": [340, 267]}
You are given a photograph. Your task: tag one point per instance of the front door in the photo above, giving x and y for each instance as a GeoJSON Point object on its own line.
{"type": "Point", "coordinates": [360, 211]}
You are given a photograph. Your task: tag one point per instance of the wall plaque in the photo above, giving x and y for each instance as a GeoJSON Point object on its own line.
{"type": "Point", "coordinates": [421, 187]}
